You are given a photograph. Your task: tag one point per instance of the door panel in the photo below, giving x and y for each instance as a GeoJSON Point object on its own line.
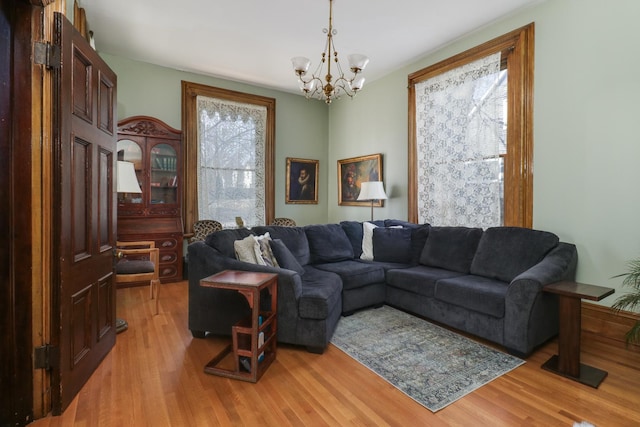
{"type": "Point", "coordinates": [83, 294]}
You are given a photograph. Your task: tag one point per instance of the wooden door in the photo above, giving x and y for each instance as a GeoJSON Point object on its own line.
{"type": "Point", "coordinates": [84, 227]}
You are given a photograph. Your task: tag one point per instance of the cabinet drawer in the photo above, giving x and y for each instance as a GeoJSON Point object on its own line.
{"type": "Point", "coordinates": [169, 270]}
{"type": "Point", "coordinates": [168, 257]}
{"type": "Point", "coordinates": [166, 243]}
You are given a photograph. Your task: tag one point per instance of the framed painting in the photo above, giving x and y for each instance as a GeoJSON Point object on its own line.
{"type": "Point", "coordinates": [302, 181]}
{"type": "Point", "coordinates": [352, 173]}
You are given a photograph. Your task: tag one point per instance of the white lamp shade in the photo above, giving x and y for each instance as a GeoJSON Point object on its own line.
{"type": "Point", "coordinates": [372, 190]}
{"type": "Point", "coordinates": [127, 182]}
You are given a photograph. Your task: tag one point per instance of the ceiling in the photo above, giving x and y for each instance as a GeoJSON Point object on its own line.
{"type": "Point", "coordinates": [253, 41]}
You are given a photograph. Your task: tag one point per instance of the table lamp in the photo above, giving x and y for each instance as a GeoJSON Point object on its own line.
{"type": "Point", "coordinates": [372, 190]}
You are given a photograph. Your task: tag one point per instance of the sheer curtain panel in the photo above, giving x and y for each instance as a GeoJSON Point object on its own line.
{"type": "Point", "coordinates": [461, 134]}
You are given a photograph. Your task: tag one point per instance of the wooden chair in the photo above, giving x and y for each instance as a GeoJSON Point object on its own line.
{"type": "Point", "coordinates": [203, 228]}
{"type": "Point", "coordinates": [286, 222]}
{"type": "Point", "coordinates": [139, 262]}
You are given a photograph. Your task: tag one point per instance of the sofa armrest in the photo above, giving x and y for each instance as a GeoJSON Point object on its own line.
{"type": "Point", "coordinates": [531, 316]}
{"type": "Point", "coordinates": [207, 310]}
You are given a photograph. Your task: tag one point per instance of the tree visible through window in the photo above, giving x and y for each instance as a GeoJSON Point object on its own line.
{"type": "Point", "coordinates": [229, 146]}
{"type": "Point", "coordinates": [470, 136]}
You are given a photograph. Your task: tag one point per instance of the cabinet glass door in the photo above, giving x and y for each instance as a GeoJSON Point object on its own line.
{"type": "Point", "coordinates": [130, 151]}
{"type": "Point", "coordinates": [164, 174]}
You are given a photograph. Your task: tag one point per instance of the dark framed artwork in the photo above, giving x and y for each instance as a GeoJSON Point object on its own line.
{"type": "Point", "coordinates": [302, 181]}
{"type": "Point", "coordinates": [352, 173]}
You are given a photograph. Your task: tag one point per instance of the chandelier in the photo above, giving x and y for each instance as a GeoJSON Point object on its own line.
{"type": "Point", "coordinates": [329, 89]}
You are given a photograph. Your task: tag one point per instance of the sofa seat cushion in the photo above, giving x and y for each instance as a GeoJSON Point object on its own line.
{"type": "Point", "coordinates": [451, 248]}
{"type": "Point", "coordinates": [505, 252]}
{"type": "Point", "coordinates": [419, 279]}
{"type": "Point", "coordinates": [355, 274]}
{"type": "Point", "coordinates": [293, 237]}
{"type": "Point", "coordinates": [475, 293]}
{"type": "Point", "coordinates": [328, 243]}
{"type": "Point", "coordinates": [321, 291]}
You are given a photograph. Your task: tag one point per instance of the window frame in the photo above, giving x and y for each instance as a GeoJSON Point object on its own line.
{"type": "Point", "coordinates": [190, 92]}
{"type": "Point", "coordinates": [518, 45]}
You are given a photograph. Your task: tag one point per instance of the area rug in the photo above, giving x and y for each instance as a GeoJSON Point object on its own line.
{"type": "Point", "coordinates": [430, 364]}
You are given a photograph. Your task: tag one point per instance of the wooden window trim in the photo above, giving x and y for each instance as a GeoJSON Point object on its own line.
{"type": "Point", "coordinates": [190, 146]}
{"type": "Point", "coordinates": [518, 180]}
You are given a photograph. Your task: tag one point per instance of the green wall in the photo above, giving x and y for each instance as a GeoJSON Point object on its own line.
{"type": "Point", "coordinates": [586, 144]}
{"type": "Point", "coordinates": [301, 125]}
{"type": "Point", "coordinates": [585, 137]}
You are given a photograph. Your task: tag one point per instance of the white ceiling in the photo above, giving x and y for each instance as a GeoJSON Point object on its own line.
{"type": "Point", "coordinates": [253, 41]}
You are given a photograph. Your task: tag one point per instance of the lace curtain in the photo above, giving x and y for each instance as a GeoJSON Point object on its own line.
{"type": "Point", "coordinates": [231, 176]}
{"type": "Point", "coordinates": [461, 132]}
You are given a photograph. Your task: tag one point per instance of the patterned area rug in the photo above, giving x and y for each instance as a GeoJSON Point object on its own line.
{"type": "Point", "coordinates": [430, 364]}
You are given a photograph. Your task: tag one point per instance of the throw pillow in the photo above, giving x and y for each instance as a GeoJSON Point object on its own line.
{"type": "Point", "coordinates": [265, 250]}
{"type": "Point", "coordinates": [284, 256]}
{"type": "Point", "coordinates": [367, 241]}
{"type": "Point", "coordinates": [391, 244]}
{"type": "Point", "coordinates": [248, 250]}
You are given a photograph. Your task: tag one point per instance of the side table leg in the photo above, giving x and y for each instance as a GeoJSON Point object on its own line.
{"type": "Point", "coordinates": [569, 336]}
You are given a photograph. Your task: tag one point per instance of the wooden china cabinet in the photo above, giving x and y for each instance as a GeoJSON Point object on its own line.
{"type": "Point", "coordinates": [155, 149]}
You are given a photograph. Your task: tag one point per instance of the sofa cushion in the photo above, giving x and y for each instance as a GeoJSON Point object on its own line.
{"type": "Point", "coordinates": [419, 236]}
{"type": "Point", "coordinates": [353, 230]}
{"type": "Point", "coordinates": [284, 256]}
{"type": "Point", "coordinates": [293, 237]}
{"type": "Point", "coordinates": [321, 291]}
{"type": "Point", "coordinates": [505, 252]}
{"type": "Point", "coordinates": [419, 279]}
{"type": "Point", "coordinates": [451, 248]}
{"type": "Point", "coordinates": [223, 240]}
{"type": "Point", "coordinates": [392, 244]}
{"type": "Point", "coordinates": [248, 250]}
{"type": "Point", "coordinates": [355, 274]}
{"type": "Point", "coordinates": [475, 293]}
{"type": "Point", "coordinates": [328, 243]}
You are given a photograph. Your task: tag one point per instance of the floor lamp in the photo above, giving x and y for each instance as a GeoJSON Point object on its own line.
{"type": "Point", "coordinates": [372, 190]}
{"type": "Point", "coordinates": [126, 182]}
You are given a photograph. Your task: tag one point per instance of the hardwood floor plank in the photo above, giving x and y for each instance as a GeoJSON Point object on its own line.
{"type": "Point", "coordinates": [155, 376]}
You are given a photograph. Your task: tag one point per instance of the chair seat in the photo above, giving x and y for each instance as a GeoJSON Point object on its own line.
{"type": "Point", "coordinates": [125, 266]}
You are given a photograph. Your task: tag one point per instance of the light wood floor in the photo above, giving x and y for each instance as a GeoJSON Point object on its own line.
{"type": "Point", "coordinates": [154, 377]}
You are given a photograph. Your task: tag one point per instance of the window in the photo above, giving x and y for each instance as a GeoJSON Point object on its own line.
{"type": "Point", "coordinates": [485, 93]}
{"type": "Point", "coordinates": [229, 150]}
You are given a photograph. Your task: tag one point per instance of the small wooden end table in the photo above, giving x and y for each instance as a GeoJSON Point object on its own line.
{"type": "Point", "coordinates": [246, 344]}
{"type": "Point", "coordinates": [567, 361]}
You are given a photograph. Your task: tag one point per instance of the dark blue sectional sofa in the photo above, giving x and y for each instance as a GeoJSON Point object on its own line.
{"type": "Point", "coordinates": [484, 282]}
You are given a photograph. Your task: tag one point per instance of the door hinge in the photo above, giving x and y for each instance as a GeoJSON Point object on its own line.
{"type": "Point", "coordinates": [46, 54]}
{"type": "Point", "coordinates": [44, 357]}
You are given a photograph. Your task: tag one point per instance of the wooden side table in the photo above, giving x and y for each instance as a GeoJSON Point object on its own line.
{"type": "Point", "coordinates": [567, 361]}
{"type": "Point", "coordinates": [246, 344]}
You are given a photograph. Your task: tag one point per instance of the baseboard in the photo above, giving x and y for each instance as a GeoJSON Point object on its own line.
{"type": "Point", "coordinates": [602, 323]}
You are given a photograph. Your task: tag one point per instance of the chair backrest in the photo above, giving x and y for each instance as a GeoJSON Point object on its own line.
{"type": "Point", "coordinates": [203, 228]}
{"type": "Point", "coordinates": [286, 222]}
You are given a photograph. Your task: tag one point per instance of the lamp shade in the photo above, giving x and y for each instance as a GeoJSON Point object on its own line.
{"type": "Point", "coordinates": [372, 190]}
{"type": "Point", "coordinates": [127, 182]}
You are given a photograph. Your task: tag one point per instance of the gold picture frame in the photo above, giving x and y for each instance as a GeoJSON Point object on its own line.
{"type": "Point", "coordinates": [352, 173]}
{"type": "Point", "coordinates": [302, 181]}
